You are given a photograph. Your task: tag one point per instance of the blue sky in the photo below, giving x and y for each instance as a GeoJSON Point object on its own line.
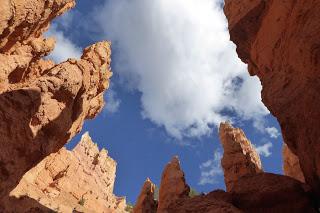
{"type": "Point", "coordinates": [176, 76]}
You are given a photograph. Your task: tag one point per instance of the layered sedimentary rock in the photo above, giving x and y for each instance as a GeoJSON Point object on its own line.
{"type": "Point", "coordinates": [279, 40]}
{"type": "Point", "coordinates": [173, 185]}
{"type": "Point", "coordinates": [81, 179]}
{"type": "Point", "coordinates": [42, 105]}
{"type": "Point", "coordinates": [291, 164]}
{"type": "Point", "coordinates": [146, 202]}
{"type": "Point", "coordinates": [239, 157]}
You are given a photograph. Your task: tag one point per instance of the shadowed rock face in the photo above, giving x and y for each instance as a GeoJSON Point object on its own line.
{"type": "Point", "coordinates": [146, 202]}
{"type": "Point", "coordinates": [239, 157]}
{"type": "Point", "coordinates": [173, 185]}
{"type": "Point", "coordinates": [279, 40]}
{"type": "Point", "coordinates": [267, 192]}
{"type": "Point", "coordinates": [291, 164]}
{"type": "Point", "coordinates": [81, 179]}
{"type": "Point", "coordinates": [42, 105]}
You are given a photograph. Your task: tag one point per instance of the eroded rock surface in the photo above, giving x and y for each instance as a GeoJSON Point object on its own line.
{"type": "Point", "coordinates": [291, 164]}
{"type": "Point", "coordinates": [146, 202]}
{"type": "Point", "coordinates": [173, 185]}
{"type": "Point", "coordinates": [81, 179]}
{"type": "Point", "coordinates": [42, 105]}
{"type": "Point", "coordinates": [239, 156]}
{"type": "Point", "coordinates": [214, 202]}
{"type": "Point", "coordinates": [279, 40]}
{"type": "Point", "coordinates": [266, 192]}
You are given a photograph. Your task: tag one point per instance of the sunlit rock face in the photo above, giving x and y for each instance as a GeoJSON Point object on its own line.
{"type": "Point", "coordinates": [279, 40]}
{"type": "Point", "coordinates": [42, 104]}
{"type": "Point", "coordinates": [146, 202]}
{"type": "Point", "coordinates": [173, 185]}
{"type": "Point", "coordinates": [291, 164]}
{"type": "Point", "coordinates": [81, 179]}
{"type": "Point", "coordinates": [239, 157]}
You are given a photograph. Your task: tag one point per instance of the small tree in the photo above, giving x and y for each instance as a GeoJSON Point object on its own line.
{"type": "Point", "coordinates": [129, 207]}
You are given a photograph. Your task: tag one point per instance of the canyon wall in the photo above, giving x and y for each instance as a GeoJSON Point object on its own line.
{"type": "Point", "coordinates": [279, 40]}
{"type": "Point", "coordinates": [81, 180]}
{"type": "Point", "coordinates": [42, 104]}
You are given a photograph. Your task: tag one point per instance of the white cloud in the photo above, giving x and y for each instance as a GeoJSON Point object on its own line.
{"type": "Point", "coordinates": [273, 132]}
{"type": "Point", "coordinates": [211, 169]}
{"type": "Point", "coordinates": [112, 102]}
{"type": "Point", "coordinates": [264, 149]}
{"type": "Point", "coordinates": [177, 53]}
{"type": "Point", "coordinates": [64, 48]}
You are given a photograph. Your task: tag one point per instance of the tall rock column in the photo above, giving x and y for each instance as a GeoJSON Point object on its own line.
{"type": "Point", "coordinates": [239, 157]}
{"type": "Point", "coordinates": [279, 40]}
{"type": "Point", "coordinates": [146, 202]}
{"type": "Point", "coordinates": [173, 185]}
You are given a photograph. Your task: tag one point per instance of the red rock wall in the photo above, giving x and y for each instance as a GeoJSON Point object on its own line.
{"type": "Point", "coordinates": [279, 40]}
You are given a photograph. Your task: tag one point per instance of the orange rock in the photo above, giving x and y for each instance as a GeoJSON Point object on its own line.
{"type": "Point", "coordinates": [291, 164]}
{"type": "Point", "coordinates": [42, 105]}
{"type": "Point", "coordinates": [279, 40]}
{"type": "Point", "coordinates": [146, 202]}
{"type": "Point", "coordinates": [173, 185]}
{"type": "Point", "coordinates": [81, 179]}
{"type": "Point", "coordinates": [239, 157]}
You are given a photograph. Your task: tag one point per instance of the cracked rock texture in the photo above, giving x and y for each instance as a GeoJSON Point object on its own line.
{"type": "Point", "coordinates": [279, 40]}
{"type": "Point", "coordinates": [42, 104]}
{"type": "Point", "coordinates": [239, 157]}
{"type": "Point", "coordinates": [81, 179]}
{"type": "Point", "coordinates": [146, 202]}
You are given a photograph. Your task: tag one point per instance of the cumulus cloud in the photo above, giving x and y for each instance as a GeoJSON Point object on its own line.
{"type": "Point", "coordinates": [211, 169]}
{"type": "Point", "coordinates": [65, 48]}
{"type": "Point", "coordinates": [112, 102]}
{"type": "Point", "coordinates": [273, 132]}
{"type": "Point", "coordinates": [265, 149]}
{"type": "Point", "coordinates": [177, 53]}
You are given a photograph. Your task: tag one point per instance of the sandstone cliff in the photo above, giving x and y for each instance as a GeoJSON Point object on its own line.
{"type": "Point", "coordinates": [291, 164]}
{"type": "Point", "coordinates": [239, 157]}
{"type": "Point", "coordinates": [42, 105]}
{"type": "Point", "coordinates": [81, 179]}
{"type": "Point", "coordinates": [279, 40]}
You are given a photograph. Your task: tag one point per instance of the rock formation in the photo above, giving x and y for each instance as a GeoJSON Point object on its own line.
{"type": "Point", "coordinates": [42, 105]}
{"type": "Point", "coordinates": [217, 201]}
{"type": "Point", "coordinates": [81, 179]}
{"type": "Point", "coordinates": [291, 164]}
{"type": "Point", "coordinates": [267, 192]}
{"type": "Point", "coordinates": [279, 40]}
{"type": "Point", "coordinates": [173, 185]}
{"type": "Point", "coordinates": [239, 157]}
{"type": "Point", "coordinates": [146, 202]}
{"type": "Point", "coordinates": [249, 189]}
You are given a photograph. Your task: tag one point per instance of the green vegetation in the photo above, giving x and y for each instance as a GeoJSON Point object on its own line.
{"type": "Point", "coordinates": [82, 201]}
{"type": "Point", "coordinates": [193, 192]}
{"type": "Point", "coordinates": [129, 207]}
{"type": "Point", "coordinates": [156, 193]}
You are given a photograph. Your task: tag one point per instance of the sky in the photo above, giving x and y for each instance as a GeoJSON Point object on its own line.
{"type": "Point", "coordinates": [176, 76]}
